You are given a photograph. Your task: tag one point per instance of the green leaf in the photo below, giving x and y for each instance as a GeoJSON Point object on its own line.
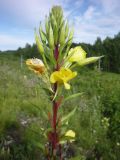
{"type": "Point", "coordinates": [41, 146]}
{"type": "Point", "coordinates": [72, 96]}
{"type": "Point", "coordinates": [47, 91]}
{"type": "Point", "coordinates": [43, 113]}
{"type": "Point", "coordinates": [68, 116]}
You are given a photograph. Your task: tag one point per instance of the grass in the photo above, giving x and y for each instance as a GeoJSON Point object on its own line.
{"type": "Point", "coordinates": [23, 101]}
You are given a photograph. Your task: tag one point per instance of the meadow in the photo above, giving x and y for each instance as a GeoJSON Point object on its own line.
{"type": "Point", "coordinates": [24, 106]}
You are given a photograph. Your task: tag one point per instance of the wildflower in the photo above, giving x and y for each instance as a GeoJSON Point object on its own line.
{"type": "Point", "coordinates": [105, 122]}
{"type": "Point", "coordinates": [25, 77]}
{"type": "Point", "coordinates": [70, 133]}
{"type": "Point", "coordinates": [118, 144]}
{"type": "Point", "coordinates": [79, 55]}
{"type": "Point", "coordinates": [62, 76]}
{"type": "Point", "coordinates": [36, 65]}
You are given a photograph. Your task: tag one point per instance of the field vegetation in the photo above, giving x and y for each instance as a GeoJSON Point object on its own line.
{"type": "Point", "coordinates": [24, 106]}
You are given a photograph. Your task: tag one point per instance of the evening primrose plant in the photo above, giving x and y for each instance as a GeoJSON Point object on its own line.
{"type": "Point", "coordinates": [57, 68]}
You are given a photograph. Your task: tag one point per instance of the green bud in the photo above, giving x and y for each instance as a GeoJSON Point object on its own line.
{"type": "Point", "coordinates": [61, 22]}
{"type": "Point", "coordinates": [62, 36]}
{"type": "Point", "coordinates": [66, 30]}
{"type": "Point", "coordinates": [42, 35]}
{"type": "Point", "coordinates": [89, 61]}
{"type": "Point", "coordinates": [55, 29]}
{"type": "Point", "coordinates": [39, 44]}
{"type": "Point", "coordinates": [55, 35]}
{"type": "Point", "coordinates": [57, 11]}
{"type": "Point", "coordinates": [47, 26]}
{"type": "Point", "coordinates": [70, 38]}
{"type": "Point", "coordinates": [51, 38]}
{"type": "Point", "coordinates": [52, 20]}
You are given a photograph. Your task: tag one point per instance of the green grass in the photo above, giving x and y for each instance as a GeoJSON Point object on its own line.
{"type": "Point", "coordinates": [22, 98]}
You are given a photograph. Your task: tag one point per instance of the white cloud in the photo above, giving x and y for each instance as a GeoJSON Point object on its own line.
{"type": "Point", "coordinates": [27, 14]}
{"type": "Point", "coordinates": [29, 11]}
{"type": "Point", "coordinates": [98, 21]}
{"type": "Point", "coordinates": [89, 13]}
{"type": "Point", "coordinates": [100, 18]}
{"type": "Point", "coordinates": [110, 6]}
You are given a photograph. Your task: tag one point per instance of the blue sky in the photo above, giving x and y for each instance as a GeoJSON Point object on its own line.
{"type": "Point", "coordinates": [90, 18]}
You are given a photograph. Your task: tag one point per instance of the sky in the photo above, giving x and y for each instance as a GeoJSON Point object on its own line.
{"type": "Point", "coordinates": [90, 18]}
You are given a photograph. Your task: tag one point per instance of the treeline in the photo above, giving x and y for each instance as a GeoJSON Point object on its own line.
{"type": "Point", "coordinates": [110, 48]}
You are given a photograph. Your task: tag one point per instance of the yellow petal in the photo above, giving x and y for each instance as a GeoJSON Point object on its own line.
{"type": "Point", "coordinates": [70, 133]}
{"type": "Point", "coordinates": [36, 65]}
{"type": "Point", "coordinates": [74, 74]}
{"type": "Point", "coordinates": [72, 140]}
{"type": "Point", "coordinates": [77, 54]}
{"type": "Point", "coordinates": [53, 78]}
{"type": "Point", "coordinates": [67, 86]}
{"type": "Point", "coordinates": [62, 77]}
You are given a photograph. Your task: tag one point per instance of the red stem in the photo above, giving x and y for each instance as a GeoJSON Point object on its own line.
{"type": "Point", "coordinates": [56, 53]}
{"type": "Point", "coordinates": [55, 104]}
{"type": "Point", "coordinates": [55, 109]}
{"type": "Point", "coordinates": [60, 150]}
{"type": "Point", "coordinates": [55, 120]}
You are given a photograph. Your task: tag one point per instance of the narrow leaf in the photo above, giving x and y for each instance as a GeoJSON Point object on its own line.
{"type": "Point", "coordinates": [72, 96]}
{"type": "Point", "coordinates": [68, 116]}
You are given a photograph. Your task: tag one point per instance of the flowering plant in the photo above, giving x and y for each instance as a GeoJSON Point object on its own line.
{"type": "Point", "coordinates": [56, 70]}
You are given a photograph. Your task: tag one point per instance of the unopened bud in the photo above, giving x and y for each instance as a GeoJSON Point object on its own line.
{"type": "Point", "coordinates": [51, 38]}
{"type": "Point", "coordinates": [55, 35]}
{"type": "Point", "coordinates": [62, 36]}
{"type": "Point", "coordinates": [47, 26]}
{"type": "Point", "coordinates": [66, 30]}
{"type": "Point", "coordinates": [43, 38]}
{"type": "Point", "coordinates": [39, 44]}
{"type": "Point", "coordinates": [70, 37]}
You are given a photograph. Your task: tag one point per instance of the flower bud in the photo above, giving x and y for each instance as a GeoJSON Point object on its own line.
{"type": "Point", "coordinates": [66, 30]}
{"type": "Point", "coordinates": [62, 36]}
{"type": "Point", "coordinates": [55, 29]}
{"type": "Point", "coordinates": [39, 44]}
{"type": "Point", "coordinates": [53, 21]}
{"type": "Point", "coordinates": [55, 35]}
{"type": "Point", "coordinates": [70, 37]}
{"type": "Point", "coordinates": [89, 60]}
{"type": "Point", "coordinates": [46, 26]}
{"type": "Point", "coordinates": [51, 38]}
{"type": "Point", "coordinates": [43, 38]}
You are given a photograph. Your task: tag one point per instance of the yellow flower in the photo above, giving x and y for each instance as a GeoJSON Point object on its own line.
{"type": "Point", "coordinates": [62, 76]}
{"type": "Point", "coordinates": [36, 65]}
{"type": "Point", "coordinates": [70, 133]}
{"type": "Point", "coordinates": [79, 55]}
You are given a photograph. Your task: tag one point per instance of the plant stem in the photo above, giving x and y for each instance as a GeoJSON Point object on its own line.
{"type": "Point", "coordinates": [60, 152]}
{"type": "Point", "coordinates": [55, 107]}
{"type": "Point", "coordinates": [54, 145]}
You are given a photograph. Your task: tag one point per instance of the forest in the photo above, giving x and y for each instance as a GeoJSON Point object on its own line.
{"type": "Point", "coordinates": [109, 47]}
